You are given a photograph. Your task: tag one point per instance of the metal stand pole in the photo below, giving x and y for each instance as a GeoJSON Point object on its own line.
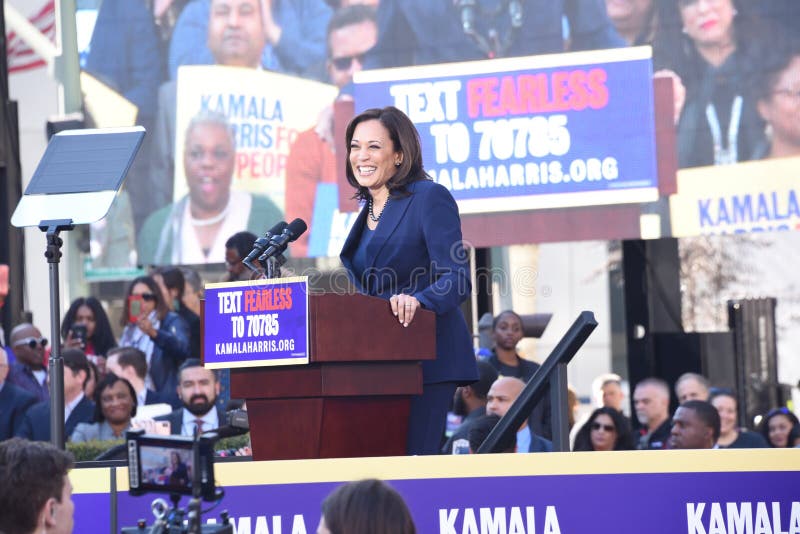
{"type": "Point", "coordinates": [56, 362]}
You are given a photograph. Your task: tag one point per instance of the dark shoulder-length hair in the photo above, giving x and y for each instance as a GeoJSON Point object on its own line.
{"type": "Point", "coordinates": [405, 139]}
{"type": "Point", "coordinates": [786, 412]}
{"type": "Point", "coordinates": [624, 442]}
{"type": "Point", "coordinates": [675, 50]}
{"type": "Point", "coordinates": [367, 507]}
{"type": "Point", "coordinates": [108, 381]}
{"type": "Point", "coordinates": [161, 306]}
{"type": "Point", "coordinates": [103, 337]}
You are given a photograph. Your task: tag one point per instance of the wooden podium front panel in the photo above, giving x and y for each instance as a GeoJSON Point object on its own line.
{"type": "Point", "coordinates": [356, 427]}
{"type": "Point", "coordinates": [286, 429]}
{"type": "Point", "coordinates": [295, 429]}
{"type": "Point", "coordinates": [362, 328]}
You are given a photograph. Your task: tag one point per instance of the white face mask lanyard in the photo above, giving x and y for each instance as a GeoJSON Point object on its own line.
{"type": "Point", "coordinates": [724, 156]}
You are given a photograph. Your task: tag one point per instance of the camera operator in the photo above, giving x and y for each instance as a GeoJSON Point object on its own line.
{"type": "Point", "coordinates": [198, 389]}
{"type": "Point", "coordinates": [35, 490]}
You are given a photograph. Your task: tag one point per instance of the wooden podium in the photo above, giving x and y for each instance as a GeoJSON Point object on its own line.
{"type": "Point", "coordinates": [352, 399]}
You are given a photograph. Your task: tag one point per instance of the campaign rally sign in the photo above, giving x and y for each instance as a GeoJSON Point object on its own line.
{"type": "Point", "coordinates": [266, 109]}
{"type": "Point", "coordinates": [624, 492]}
{"type": "Point", "coordinates": [755, 196]}
{"type": "Point", "coordinates": [536, 132]}
{"type": "Point", "coordinates": [256, 323]}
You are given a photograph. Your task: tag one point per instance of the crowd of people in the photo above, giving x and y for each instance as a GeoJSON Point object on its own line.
{"type": "Point", "coordinates": [735, 67]}
{"type": "Point", "coordinates": [108, 378]}
{"type": "Point", "coordinates": [705, 417]}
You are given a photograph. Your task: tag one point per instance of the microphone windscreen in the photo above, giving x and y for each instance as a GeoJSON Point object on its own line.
{"type": "Point", "coordinates": [278, 228]}
{"type": "Point", "coordinates": [297, 227]}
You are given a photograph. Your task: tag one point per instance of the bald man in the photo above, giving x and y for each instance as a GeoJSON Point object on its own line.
{"type": "Point", "coordinates": [28, 372]}
{"type": "Point", "coordinates": [501, 396]}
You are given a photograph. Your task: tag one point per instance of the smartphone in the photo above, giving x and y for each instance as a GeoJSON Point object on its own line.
{"type": "Point", "coordinates": [134, 307]}
{"type": "Point", "coordinates": [79, 333]}
{"type": "Point", "coordinates": [163, 428]}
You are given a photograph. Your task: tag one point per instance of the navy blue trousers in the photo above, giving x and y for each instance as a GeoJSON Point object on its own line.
{"type": "Point", "coordinates": [428, 418]}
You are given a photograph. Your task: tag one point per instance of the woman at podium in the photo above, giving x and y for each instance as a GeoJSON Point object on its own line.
{"type": "Point", "coordinates": [406, 247]}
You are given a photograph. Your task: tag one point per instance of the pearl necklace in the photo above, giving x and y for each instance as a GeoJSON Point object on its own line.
{"type": "Point", "coordinates": [372, 216]}
{"type": "Point", "coordinates": [212, 220]}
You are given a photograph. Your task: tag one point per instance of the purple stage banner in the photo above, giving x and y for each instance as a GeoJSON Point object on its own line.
{"type": "Point", "coordinates": [536, 132]}
{"type": "Point", "coordinates": [702, 492]}
{"type": "Point", "coordinates": [256, 323]}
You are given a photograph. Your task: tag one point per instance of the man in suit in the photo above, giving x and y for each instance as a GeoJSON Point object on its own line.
{"type": "Point", "coordinates": [77, 407]}
{"type": "Point", "coordinates": [131, 364]}
{"type": "Point", "coordinates": [28, 371]}
{"type": "Point", "coordinates": [198, 389]}
{"type": "Point", "coordinates": [13, 402]}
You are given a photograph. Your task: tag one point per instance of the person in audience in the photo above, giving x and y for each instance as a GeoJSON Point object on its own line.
{"type": "Point", "coordinates": [480, 430]}
{"type": "Point", "coordinates": [131, 364]}
{"type": "Point", "coordinates": [777, 94]}
{"type": "Point", "coordinates": [35, 490]}
{"type": "Point", "coordinates": [501, 396]}
{"type": "Point", "coordinates": [237, 247]}
{"type": "Point", "coordinates": [731, 436]}
{"type": "Point", "coordinates": [651, 403]}
{"type": "Point", "coordinates": [160, 334]}
{"type": "Point", "coordinates": [710, 50]}
{"type": "Point", "coordinates": [94, 377]}
{"type": "Point", "coordinates": [691, 386]}
{"type": "Point", "coordinates": [695, 425]}
{"type": "Point", "coordinates": [634, 20]}
{"type": "Point", "coordinates": [419, 32]}
{"type": "Point", "coordinates": [606, 430]}
{"type": "Point", "coordinates": [14, 401]}
{"type": "Point", "coordinates": [610, 391]}
{"type": "Point", "coordinates": [777, 427]}
{"type": "Point", "coordinates": [88, 311]}
{"type": "Point", "coordinates": [192, 290]}
{"type": "Point", "coordinates": [365, 507]}
{"type": "Point", "coordinates": [115, 406]}
{"type": "Point", "coordinates": [193, 230]}
{"type": "Point", "coordinates": [311, 161]}
{"type": "Point", "coordinates": [506, 334]}
{"type": "Point", "coordinates": [293, 32]}
{"type": "Point", "coordinates": [198, 389]}
{"type": "Point", "coordinates": [470, 403]}
{"type": "Point", "coordinates": [78, 408]}
{"type": "Point", "coordinates": [171, 283]}
{"type": "Point", "coordinates": [27, 371]}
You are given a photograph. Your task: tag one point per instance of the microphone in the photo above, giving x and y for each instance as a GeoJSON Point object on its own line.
{"type": "Point", "coordinates": [278, 244]}
{"type": "Point", "coordinates": [263, 242]}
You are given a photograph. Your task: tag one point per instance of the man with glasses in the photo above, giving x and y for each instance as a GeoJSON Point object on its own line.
{"type": "Point", "coordinates": [77, 407]}
{"type": "Point", "coordinates": [351, 32]}
{"type": "Point", "coordinates": [14, 402]}
{"type": "Point", "coordinates": [28, 371]}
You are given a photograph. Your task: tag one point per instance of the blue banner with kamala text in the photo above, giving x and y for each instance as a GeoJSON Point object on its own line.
{"type": "Point", "coordinates": [537, 132]}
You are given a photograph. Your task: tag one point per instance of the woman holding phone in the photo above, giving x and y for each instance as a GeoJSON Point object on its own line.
{"type": "Point", "coordinates": [161, 334]}
{"type": "Point", "coordinates": [86, 327]}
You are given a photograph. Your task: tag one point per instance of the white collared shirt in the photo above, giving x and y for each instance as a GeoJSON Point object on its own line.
{"type": "Point", "coordinates": [71, 406]}
{"type": "Point", "coordinates": [210, 421]}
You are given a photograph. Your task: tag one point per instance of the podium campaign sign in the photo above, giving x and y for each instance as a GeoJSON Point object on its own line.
{"type": "Point", "coordinates": [256, 323]}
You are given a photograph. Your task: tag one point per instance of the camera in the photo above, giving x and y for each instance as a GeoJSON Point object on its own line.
{"type": "Point", "coordinates": [174, 465]}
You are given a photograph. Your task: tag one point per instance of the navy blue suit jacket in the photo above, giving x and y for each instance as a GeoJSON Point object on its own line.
{"type": "Point", "coordinates": [36, 423]}
{"type": "Point", "coordinates": [416, 249]}
{"type": "Point", "coordinates": [175, 419]}
{"type": "Point", "coordinates": [14, 402]}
